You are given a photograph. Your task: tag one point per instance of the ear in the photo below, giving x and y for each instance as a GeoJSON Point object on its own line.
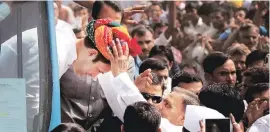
{"type": "Point", "coordinates": [122, 128]}
{"type": "Point", "coordinates": [208, 77]}
{"type": "Point", "coordinates": [159, 130]}
{"type": "Point", "coordinates": [92, 52]}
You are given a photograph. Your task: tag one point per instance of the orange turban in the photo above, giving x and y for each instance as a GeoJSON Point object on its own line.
{"type": "Point", "coordinates": [103, 31]}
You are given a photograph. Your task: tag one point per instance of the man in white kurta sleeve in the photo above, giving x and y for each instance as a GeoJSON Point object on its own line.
{"type": "Point", "coordinates": [119, 97]}
{"type": "Point", "coordinates": [65, 42]}
{"type": "Point", "coordinates": [260, 125]}
{"type": "Point", "coordinates": [120, 92]}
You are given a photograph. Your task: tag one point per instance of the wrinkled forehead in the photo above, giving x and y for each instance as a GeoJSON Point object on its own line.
{"type": "Point", "coordinates": [240, 12]}
{"type": "Point", "coordinates": [253, 31]}
{"type": "Point", "coordinates": [175, 98]}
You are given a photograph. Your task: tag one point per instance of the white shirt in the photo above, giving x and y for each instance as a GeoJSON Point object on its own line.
{"type": "Point", "coordinates": [260, 125]}
{"type": "Point", "coordinates": [168, 86]}
{"type": "Point", "coordinates": [120, 92]}
{"type": "Point", "coordinates": [66, 46]}
{"type": "Point", "coordinates": [200, 28]}
{"type": "Point", "coordinates": [162, 40]}
{"type": "Point", "coordinates": [30, 67]}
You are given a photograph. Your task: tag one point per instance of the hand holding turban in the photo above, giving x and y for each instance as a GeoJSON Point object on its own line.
{"type": "Point", "coordinates": [103, 31]}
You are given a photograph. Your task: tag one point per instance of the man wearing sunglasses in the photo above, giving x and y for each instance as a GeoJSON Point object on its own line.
{"type": "Point", "coordinates": [154, 92]}
{"type": "Point", "coordinates": [120, 92]}
{"type": "Point", "coordinates": [159, 67]}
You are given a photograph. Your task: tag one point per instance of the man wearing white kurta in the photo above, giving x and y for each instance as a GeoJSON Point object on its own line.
{"type": "Point", "coordinates": [120, 92]}
{"type": "Point", "coordinates": [124, 94]}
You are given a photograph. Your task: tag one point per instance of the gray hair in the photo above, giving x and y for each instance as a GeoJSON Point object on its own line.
{"type": "Point", "coordinates": [189, 97]}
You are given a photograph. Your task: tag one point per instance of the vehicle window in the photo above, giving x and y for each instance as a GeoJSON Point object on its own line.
{"type": "Point", "coordinates": [21, 38]}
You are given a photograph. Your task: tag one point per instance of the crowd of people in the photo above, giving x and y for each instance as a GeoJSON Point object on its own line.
{"type": "Point", "coordinates": [130, 66]}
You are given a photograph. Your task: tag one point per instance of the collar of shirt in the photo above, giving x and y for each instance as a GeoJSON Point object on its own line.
{"type": "Point", "coordinates": [166, 126]}
{"type": "Point", "coordinates": [200, 22]}
{"type": "Point", "coordinates": [138, 62]}
{"type": "Point", "coordinates": [200, 27]}
{"type": "Point", "coordinates": [260, 125]}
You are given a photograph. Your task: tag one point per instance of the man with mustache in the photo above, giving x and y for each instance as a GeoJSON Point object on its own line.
{"type": "Point", "coordinates": [145, 38]}
{"type": "Point", "coordinates": [120, 92]}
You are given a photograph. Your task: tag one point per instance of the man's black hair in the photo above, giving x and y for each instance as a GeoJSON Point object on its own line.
{"type": "Point", "coordinates": [185, 77]}
{"type": "Point", "coordinates": [255, 89]}
{"type": "Point", "coordinates": [153, 64]}
{"type": "Point", "coordinates": [141, 117]}
{"type": "Point", "coordinates": [161, 50]}
{"type": "Point", "coordinates": [77, 30]}
{"type": "Point", "coordinates": [157, 80]}
{"type": "Point", "coordinates": [140, 30]}
{"type": "Point", "coordinates": [225, 13]}
{"type": "Point", "coordinates": [255, 55]}
{"type": "Point", "coordinates": [223, 98]}
{"type": "Point", "coordinates": [97, 6]}
{"type": "Point", "coordinates": [68, 127]}
{"type": "Point", "coordinates": [257, 74]}
{"type": "Point", "coordinates": [229, 9]}
{"type": "Point", "coordinates": [241, 9]}
{"type": "Point", "coordinates": [155, 3]}
{"type": "Point", "coordinates": [192, 5]}
{"type": "Point", "coordinates": [89, 44]}
{"type": "Point", "coordinates": [159, 25]}
{"type": "Point", "coordinates": [251, 14]}
{"type": "Point", "coordinates": [213, 61]}
{"type": "Point", "coordinates": [165, 51]}
{"type": "Point", "coordinates": [207, 8]}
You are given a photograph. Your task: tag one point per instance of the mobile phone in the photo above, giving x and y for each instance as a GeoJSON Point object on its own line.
{"type": "Point", "coordinates": [218, 125]}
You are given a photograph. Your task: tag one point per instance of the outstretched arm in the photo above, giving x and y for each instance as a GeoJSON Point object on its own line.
{"type": "Point", "coordinates": [87, 3]}
{"type": "Point", "coordinates": [118, 88]}
{"type": "Point", "coordinates": [230, 40]}
{"type": "Point", "coordinates": [120, 91]}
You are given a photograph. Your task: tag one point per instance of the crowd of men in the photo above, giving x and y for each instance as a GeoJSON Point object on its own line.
{"type": "Point", "coordinates": [209, 54]}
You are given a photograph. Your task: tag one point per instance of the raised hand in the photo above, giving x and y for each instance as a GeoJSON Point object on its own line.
{"type": "Point", "coordinates": [202, 126]}
{"type": "Point", "coordinates": [255, 110]}
{"type": "Point", "coordinates": [144, 80]}
{"type": "Point", "coordinates": [263, 42]}
{"type": "Point", "coordinates": [128, 12]}
{"type": "Point", "coordinates": [119, 58]}
{"type": "Point", "coordinates": [237, 127]}
{"type": "Point", "coordinates": [206, 42]}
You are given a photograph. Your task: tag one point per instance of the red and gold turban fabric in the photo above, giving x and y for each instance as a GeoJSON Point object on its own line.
{"type": "Point", "coordinates": [103, 31]}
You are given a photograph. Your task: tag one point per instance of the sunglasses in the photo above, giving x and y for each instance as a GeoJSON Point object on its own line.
{"type": "Point", "coordinates": [155, 99]}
